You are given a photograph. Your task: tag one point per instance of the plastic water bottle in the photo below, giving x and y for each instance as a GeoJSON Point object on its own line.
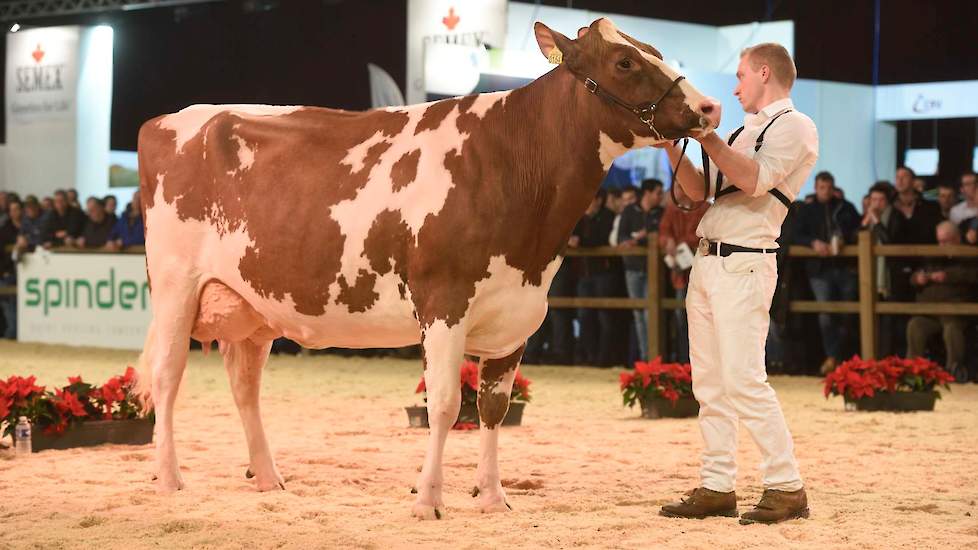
{"type": "Point", "coordinates": [22, 436]}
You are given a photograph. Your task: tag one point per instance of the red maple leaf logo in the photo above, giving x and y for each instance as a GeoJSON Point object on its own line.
{"type": "Point", "coordinates": [451, 19]}
{"type": "Point", "coordinates": [38, 54]}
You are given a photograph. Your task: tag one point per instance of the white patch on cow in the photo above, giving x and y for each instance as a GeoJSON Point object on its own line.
{"type": "Point", "coordinates": [693, 96]}
{"type": "Point", "coordinates": [484, 102]}
{"type": "Point", "coordinates": [358, 153]}
{"type": "Point", "coordinates": [246, 156]}
{"type": "Point", "coordinates": [609, 149]}
{"type": "Point", "coordinates": [188, 122]}
{"type": "Point", "coordinates": [505, 311]}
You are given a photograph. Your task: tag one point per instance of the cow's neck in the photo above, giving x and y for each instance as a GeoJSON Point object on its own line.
{"type": "Point", "coordinates": [568, 139]}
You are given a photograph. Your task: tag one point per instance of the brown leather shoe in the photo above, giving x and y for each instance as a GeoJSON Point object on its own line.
{"type": "Point", "coordinates": [700, 503]}
{"type": "Point", "coordinates": [777, 506]}
{"type": "Point", "coordinates": [827, 366]}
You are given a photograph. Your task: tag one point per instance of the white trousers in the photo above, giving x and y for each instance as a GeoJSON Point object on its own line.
{"type": "Point", "coordinates": [727, 306]}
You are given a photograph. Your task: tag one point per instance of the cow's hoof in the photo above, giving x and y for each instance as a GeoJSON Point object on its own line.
{"type": "Point", "coordinates": [494, 505]}
{"type": "Point", "coordinates": [272, 484]}
{"type": "Point", "coordinates": [167, 485]}
{"type": "Point", "coordinates": [475, 491]}
{"type": "Point", "coordinates": [248, 474]}
{"type": "Point", "coordinates": [424, 511]}
{"type": "Point", "coordinates": [414, 490]}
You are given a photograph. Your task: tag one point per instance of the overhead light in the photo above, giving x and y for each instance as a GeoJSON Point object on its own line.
{"type": "Point", "coordinates": [15, 27]}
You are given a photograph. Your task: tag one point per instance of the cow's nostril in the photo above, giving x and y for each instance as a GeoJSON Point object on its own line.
{"type": "Point", "coordinates": [707, 108]}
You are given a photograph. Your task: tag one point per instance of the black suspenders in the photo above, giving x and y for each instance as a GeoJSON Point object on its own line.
{"type": "Point", "coordinates": [757, 147]}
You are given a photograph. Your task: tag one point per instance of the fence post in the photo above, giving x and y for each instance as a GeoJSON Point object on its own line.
{"type": "Point", "coordinates": [867, 296]}
{"type": "Point", "coordinates": [653, 306]}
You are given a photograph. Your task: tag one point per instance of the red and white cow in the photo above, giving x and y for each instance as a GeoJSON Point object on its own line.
{"type": "Point", "coordinates": [441, 223]}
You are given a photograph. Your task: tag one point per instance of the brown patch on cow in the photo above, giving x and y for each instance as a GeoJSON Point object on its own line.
{"type": "Point", "coordinates": [405, 170]}
{"type": "Point", "coordinates": [493, 405]}
{"type": "Point", "coordinates": [388, 242]}
{"type": "Point", "coordinates": [435, 114]}
{"type": "Point", "coordinates": [402, 290]}
{"type": "Point", "coordinates": [297, 155]}
{"type": "Point", "coordinates": [361, 296]}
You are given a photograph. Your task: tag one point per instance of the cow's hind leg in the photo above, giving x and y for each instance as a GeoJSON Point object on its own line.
{"type": "Point", "coordinates": [496, 378]}
{"type": "Point", "coordinates": [244, 362]}
{"type": "Point", "coordinates": [162, 363]}
{"type": "Point", "coordinates": [443, 349]}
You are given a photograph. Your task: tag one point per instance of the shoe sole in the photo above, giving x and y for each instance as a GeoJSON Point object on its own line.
{"type": "Point", "coordinates": [725, 513]}
{"type": "Point", "coordinates": [801, 514]}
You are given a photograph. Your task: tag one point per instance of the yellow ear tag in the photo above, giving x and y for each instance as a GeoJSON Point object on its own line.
{"type": "Point", "coordinates": [555, 57]}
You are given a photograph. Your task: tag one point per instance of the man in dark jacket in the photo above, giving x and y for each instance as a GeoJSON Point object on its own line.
{"type": "Point", "coordinates": [943, 280]}
{"type": "Point", "coordinates": [63, 224]}
{"type": "Point", "coordinates": [596, 279]}
{"type": "Point", "coordinates": [827, 224]}
{"type": "Point", "coordinates": [637, 222]}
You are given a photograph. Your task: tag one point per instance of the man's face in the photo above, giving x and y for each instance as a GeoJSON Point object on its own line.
{"type": "Point", "coordinates": [750, 85]}
{"type": "Point", "coordinates": [968, 186]}
{"type": "Point", "coordinates": [96, 211]}
{"type": "Point", "coordinates": [824, 190]}
{"type": "Point", "coordinates": [903, 181]}
{"type": "Point", "coordinates": [919, 184]}
{"type": "Point", "coordinates": [15, 211]}
{"type": "Point", "coordinates": [652, 199]}
{"type": "Point", "coordinates": [613, 203]}
{"type": "Point", "coordinates": [60, 202]}
{"type": "Point", "coordinates": [946, 197]}
{"type": "Point", "coordinates": [877, 202]}
{"type": "Point", "coordinates": [110, 205]}
{"type": "Point", "coordinates": [946, 236]}
{"type": "Point", "coordinates": [628, 198]}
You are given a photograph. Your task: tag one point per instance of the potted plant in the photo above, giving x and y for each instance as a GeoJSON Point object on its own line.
{"type": "Point", "coordinates": [890, 384]}
{"type": "Point", "coordinates": [468, 416]}
{"type": "Point", "coordinates": [76, 415]}
{"type": "Point", "coordinates": [664, 390]}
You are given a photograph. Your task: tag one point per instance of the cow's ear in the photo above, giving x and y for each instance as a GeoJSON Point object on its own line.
{"type": "Point", "coordinates": [555, 46]}
{"type": "Point", "coordinates": [582, 31]}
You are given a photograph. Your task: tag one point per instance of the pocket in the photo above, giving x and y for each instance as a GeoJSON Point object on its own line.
{"type": "Point", "coordinates": [743, 263]}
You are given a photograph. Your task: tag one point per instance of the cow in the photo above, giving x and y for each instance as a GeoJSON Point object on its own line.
{"type": "Point", "coordinates": [440, 224]}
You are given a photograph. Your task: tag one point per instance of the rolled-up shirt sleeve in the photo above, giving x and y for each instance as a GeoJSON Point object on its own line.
{"type": "Point", "coordinates": [790, 143]}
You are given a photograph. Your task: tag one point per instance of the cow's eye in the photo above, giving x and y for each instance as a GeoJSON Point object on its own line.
{"type": "Point", "coordinates": [625, 64]}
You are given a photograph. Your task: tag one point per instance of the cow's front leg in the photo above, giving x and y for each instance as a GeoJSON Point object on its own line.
{"type": "Point", "coordinates": [443, 348]}
{"type": "Point", "coordinates": [495, 385]}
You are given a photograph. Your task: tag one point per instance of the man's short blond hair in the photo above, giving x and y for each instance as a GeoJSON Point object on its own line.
{"type": "Point", "coordinates": [777, 58]}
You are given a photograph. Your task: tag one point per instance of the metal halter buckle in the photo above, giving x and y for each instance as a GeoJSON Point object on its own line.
{"type": "Point", "coordinates": [591, 86]}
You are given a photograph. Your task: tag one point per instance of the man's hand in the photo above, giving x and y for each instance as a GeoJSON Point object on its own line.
{"type": "Point", "coordinates": [671, 247]}
{"type": "Point", "coordinates": [971, 236]}
{"type": "Point", "coordinates": [61, 234]}
{"type": "Point", "coordinates": [821, 247]}
{"type": "Point", "coordinates": [714, 116]}
{"type": "Point", "coordinates": [628, 244]}
{"type": "Point", "coordinates": [919, 278]}
{"type": "Point", "coordinates": [870, 219]}
{"type": "Point", "coordinates": [574, 241]}
{"type": "Point", "coordinates": [938, 276]}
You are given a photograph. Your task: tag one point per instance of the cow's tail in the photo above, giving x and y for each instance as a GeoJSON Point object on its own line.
{"type": "Point", "coordinates": [144, 371]}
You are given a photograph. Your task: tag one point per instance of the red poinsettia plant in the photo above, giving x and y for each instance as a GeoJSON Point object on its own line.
{"type": "Point", "coordinates": [857, 378]}
{"type": "Point", "coordinates": [470, 385]}
{"type": "Point", "coordinates": [656, 379]}
{"type": "Point", "coordinates": [53, 412]}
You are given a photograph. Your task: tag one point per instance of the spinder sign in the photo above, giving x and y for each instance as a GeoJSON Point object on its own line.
{"type": "Point", "coordinates": [99, 300]}
{"type": "Point", "coordinates": [41, 73]}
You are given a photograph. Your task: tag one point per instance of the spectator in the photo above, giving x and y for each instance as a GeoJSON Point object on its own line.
{"type": "Point", "coordinates": [917, 217]}
{"type": "Point", "coordinates": [679, 227]}
{"type": "Point", "coordinates": [97, 226]}
{"type": "Point", "coordinates": [826, 225]}
{"type": "Point", "coordinates": [63, 224]}
{"type": "Point", "coordinates": [972, 233]}
{"type": "Point", "coordinates": [72, 196]}
{"type": "Point", "coordinates": [919, 184]}
{"type": "Point", "coordinates": [47, 205]}
{"type": "Point", "coordinates": [9, 232]}
{"type": "Point", "coordinates": [597, 330]}
{"type": "Point", "coordinates": [968, 208]}
{"type": "Point", "coordinates": [31, 226]}
{"type": "Point", "coordinates": [128, 231]}
{"type": "Point", "coordinates": [4, 201]}
{"type": "Point", "coordinates": [943, 280]}
{"type": "Point", "coordinates": [637, 222]}
{"type": "Point", "coordinates": [947, 197]}
{"type": "Point", "coordinates": [111, 205]}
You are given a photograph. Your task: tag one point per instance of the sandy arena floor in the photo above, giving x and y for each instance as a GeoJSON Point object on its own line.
{"type": "Point", "coordinates": [582, 472]}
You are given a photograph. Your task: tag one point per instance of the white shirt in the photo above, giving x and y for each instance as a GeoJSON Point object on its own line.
{"type": "Point", "coordinates": [962, 211]}
{"type": "Point", "coordinates": [785, 161]}
{"type": "Point", "coordinates": [613, 238]}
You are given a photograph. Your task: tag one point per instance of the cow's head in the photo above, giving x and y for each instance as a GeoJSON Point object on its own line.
{"type": "Point", "coordinates": [635, 73]}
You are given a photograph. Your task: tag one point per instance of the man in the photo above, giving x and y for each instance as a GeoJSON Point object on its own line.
{"type": "Point", "coordinates": [947, 197]}
{"type": "Point", "coordinates": [825, 225]}
{"type": "Point", "coordinates": [111, 205]}
{"type": "Point", "coordinates": [128, 231]}
{"type": "Point", "coordinates": [733, 281]}
{"type": "Point", "coordinates": [917, 217]}
{"type": "Point", "coordinates": [63, 224]}
{"type": "Point", "coordinates": [9, 231]}
{"type": "Point", "coordinates": [637, 221]}
{"type": "Point", "coordinates": [943, 280]}
{"type": "Point", "coordinates": [968, 208]}
{"type": "Point", "coordinates": [97, 227]}
{"type": "Point", "coordinates": [624, 198]}
{"type": "Point", "coordinates": [597, 279]}
{"type": "Point", "coordinates": [679, 227]}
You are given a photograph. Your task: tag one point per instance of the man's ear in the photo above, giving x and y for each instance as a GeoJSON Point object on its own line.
{"type": "Point", "coordinates": [550, 40]}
